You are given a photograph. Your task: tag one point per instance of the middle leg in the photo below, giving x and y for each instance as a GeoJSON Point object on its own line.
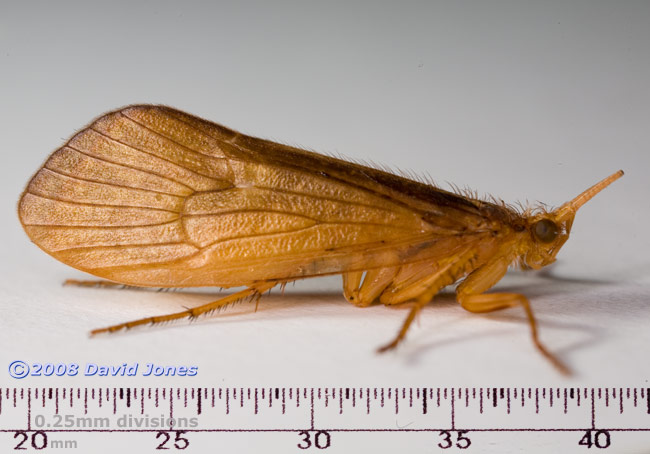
{"type": "Point", "coordinates": [420, 283]}
{"type": "Point", "coordinates": [374, 282]}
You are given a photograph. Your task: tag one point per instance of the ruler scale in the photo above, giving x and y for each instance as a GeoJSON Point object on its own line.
{"type": "Point", "coordinates": [174, 414]}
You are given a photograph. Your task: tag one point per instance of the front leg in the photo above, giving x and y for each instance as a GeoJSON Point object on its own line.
{"type": "Point", "coordinates": [471, 297]}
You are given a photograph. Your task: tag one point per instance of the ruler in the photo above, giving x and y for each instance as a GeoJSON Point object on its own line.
{"type": "Point", "coordinates": [293, 419]}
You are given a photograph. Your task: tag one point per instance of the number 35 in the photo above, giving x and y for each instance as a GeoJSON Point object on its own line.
{"type": "Point", "coordinates": [462, 442]}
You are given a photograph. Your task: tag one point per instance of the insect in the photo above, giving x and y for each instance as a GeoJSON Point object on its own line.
{"type": "Point", "coordinates": [152, 196]}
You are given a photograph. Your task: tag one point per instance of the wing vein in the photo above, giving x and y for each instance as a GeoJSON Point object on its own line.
{"type": "Point", "coordinates": [316, 220]}
{"type": "Point", "coordinates": [126, 166]}
{"type": "Point", "coordinates": [148, 153]}
{"type": "Point", "coordinates": [248, 210]}
{"type": "Point", "coordinates": [231, 140]}
{"type": "Point", "coordinates": [373, 192]}
{"type": "Point", "coordinates": [224, 240]}
{"type": "Point", "coordinates": [166, 137]}
{"type": "Point", "coordinates": [104, 183]}
{"type": "Point", "coordinates": [329, 199]}
{"type": "Point", "coordinates": [126, 246]}
{"type": "Point", "coordinates": [95, 205]}
{"type": "Point", "coordinates": [102, 227]}
{"type": "Point", "coordinates": [257, 235]}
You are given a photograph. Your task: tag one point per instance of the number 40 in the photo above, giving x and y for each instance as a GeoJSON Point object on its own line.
{"type": "Point", "coordinates": [599, 439]}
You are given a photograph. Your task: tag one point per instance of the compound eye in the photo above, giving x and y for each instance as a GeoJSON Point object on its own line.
{"type": "Point", "coordinates": [546, 231]}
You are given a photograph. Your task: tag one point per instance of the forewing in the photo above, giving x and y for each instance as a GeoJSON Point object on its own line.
{"type": "Point", "coordinates": [150, 195]}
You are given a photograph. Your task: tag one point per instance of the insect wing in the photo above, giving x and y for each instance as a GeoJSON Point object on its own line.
{"type": "Point", "coordinates": [150, 195]}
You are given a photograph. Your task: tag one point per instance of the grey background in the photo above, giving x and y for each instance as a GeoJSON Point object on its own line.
{"type": "Point", "coordinates": [521, 100]}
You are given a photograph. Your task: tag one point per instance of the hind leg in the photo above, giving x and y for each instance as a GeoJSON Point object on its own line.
{"type": "Point", "coordinates": [255, 290]}
{"type": "Point", "coordinates": [97, 283]}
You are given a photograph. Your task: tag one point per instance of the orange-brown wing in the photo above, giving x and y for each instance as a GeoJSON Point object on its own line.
{"type": "Point", "coordinates": [152, 196]}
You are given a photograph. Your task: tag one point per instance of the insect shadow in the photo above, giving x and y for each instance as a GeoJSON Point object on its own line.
{"type": "Point", "coordinates": [293, 303]}
{"type": "Point", "coordinates": [573, 303]}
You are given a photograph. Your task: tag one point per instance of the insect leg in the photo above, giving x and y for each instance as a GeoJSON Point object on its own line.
{"type": "Point", "coordinates": [415, 310]}
{"type": "Point", "coordinates": [351, 284]}
{"type": "Point", "coordinates": [374, 283]}
{"type": "Point", "coordinates": [471, 297]}
{"type": "Point", "coordinates": [421, 289]}
{"type": "Point", "coordinates": [254, 290]}
{"type": "Point", "coordinates": [411, 281]}
{"type": "Point", "coordinates": [96, 283]}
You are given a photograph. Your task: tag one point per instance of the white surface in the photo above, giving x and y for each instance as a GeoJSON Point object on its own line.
{"type": "Point", "coordinates": [526, 101]}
